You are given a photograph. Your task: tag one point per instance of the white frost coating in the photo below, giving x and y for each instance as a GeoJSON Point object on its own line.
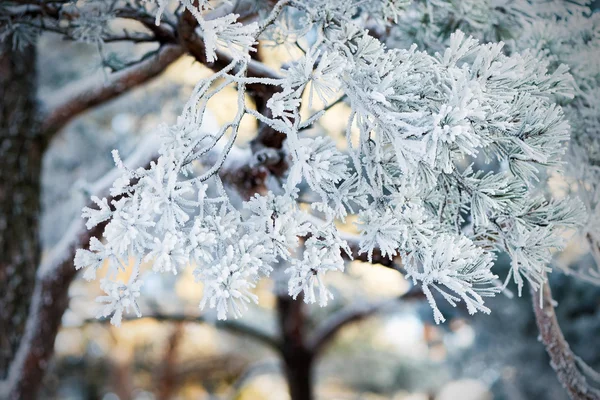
{"type": "Point", "coordinates": [413, 176]}
{"type": "Point", "coordinates": [222, 30]}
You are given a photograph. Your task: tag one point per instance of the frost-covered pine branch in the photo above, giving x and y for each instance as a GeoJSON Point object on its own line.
{"type": "Point", "coordinates": [445, 149]}
{"type": "Point", "coordinates": [556, 32]}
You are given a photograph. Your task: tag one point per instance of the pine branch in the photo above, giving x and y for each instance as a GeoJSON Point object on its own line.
{"type": "Point", "coordinates": [377, 258]}
{"type": "Point", "coordinates": [194, 44]}
{"type": "Point", "coordinates": [563, 360]}
{"type": "Point", "coordinates": [116, 84]}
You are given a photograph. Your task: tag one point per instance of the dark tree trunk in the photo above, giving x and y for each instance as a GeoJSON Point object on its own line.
{"type": "Point", "coordinates": [298, 371]}
{"type": "Point", "coordinates": [297, 358]}
{"type": "Point", "coordinates": [21, 150]}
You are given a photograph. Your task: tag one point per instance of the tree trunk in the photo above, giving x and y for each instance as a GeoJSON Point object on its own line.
{"type": "Point", "coordinates": [297, 359]}
{"type": "Point", "coordinates": [298, 371]}
{"type": "Point", "coordinates": [21, 150]}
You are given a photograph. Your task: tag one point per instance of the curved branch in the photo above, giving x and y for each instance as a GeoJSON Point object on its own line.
{"type": "Point", "coordinates": [563, 360]}
{"type": "Point", "coordinates": [162, 33]}
{"type": "Point", "coordinates": [328, 329]}
{"type": "Point", "coordinates": [230, 325]}
{"type": "Point", "coordinates": [116, 84]}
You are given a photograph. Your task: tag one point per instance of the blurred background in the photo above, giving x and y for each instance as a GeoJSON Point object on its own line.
{"type": "Point", "coordinates": [394, 351]}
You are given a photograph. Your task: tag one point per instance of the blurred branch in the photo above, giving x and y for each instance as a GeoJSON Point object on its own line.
{"type": "Point", "coordinates": [161, 32]}
{"type": "Point", "coordinates": [41, 3]}
{"type": "Point", "coordinates": [351, 313]}
{"type": "Point", "coordinates": [298, 360]}
{"type": "Point", "coordinates": [327, 329]}
{"type": "Point", "coordinates": [92, 95]}
{"type": "Point", "coordinates": [121, 378]}
{"type": "Point", "coordinates": [563, 360]}
{"type": "Point", "coordinates": [209, 370]}
{"type": "Point", "coordinates": [37, 7]}
{"type": "Point", "coordinates": [261, 367]}
{"type": "Point", "coordinates": [230, 325]}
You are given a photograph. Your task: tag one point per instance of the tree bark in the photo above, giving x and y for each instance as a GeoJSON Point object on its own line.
{"type": "Point", "coordinates": [297, 358]}
{"type": "Point", "coordinates": [21, 150]}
